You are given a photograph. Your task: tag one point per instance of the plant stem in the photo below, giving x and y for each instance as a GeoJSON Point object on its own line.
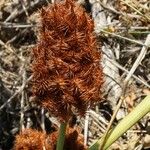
{"type": "Point", "coordinates": [132, 118]}
{"type": "Point", "coordinates": [104, 139]}
{"type": "Point", "coordinates": [61, 136]}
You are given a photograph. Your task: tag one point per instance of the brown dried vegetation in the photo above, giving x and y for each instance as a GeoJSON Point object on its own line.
{"type": "Point", "coordinates": [30, 139]}
{"type": "Point", "coordinates": [66, 64]}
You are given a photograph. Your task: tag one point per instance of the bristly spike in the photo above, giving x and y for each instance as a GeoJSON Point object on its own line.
{"type": "Point", "coordinates": [66, 65]}
{"type": "Point", "coordinates": [31, 139]}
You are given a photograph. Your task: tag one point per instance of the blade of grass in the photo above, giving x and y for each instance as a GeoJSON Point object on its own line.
{"type": "Point", "coordinates": [61, 136]}
{"type": "Point", "coordinates": [132, 118]}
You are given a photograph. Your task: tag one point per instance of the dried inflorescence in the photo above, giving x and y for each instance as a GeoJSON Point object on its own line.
{"type": "Point", "coordinates": [73, 140]}
{"type": "Point", "coordinates": [66, 66]}
{"type": "Point", "coordinates": [30, 139]}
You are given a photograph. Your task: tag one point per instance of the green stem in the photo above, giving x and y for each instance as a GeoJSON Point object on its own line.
{"type": "Point", "coordinates": [61, 136]}
{"type": "Point", "coordinates": [132, 118]}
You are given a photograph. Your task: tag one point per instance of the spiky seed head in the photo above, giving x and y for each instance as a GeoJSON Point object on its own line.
{"type": "Point", "coordinates": [66, 63]}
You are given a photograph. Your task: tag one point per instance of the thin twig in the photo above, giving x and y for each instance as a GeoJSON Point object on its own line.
{"type": "Point", "coordinates": [9, 49]}
{"type": "Point", "coordinates": [28, 122]}
{"type": "Point", "coordinates": [24, 8]}
{"type": "Point", "coordinates": [134, 28]}
{"type": "Point", "coordinates": [16, 93]}
{"type": "Point", "coordinates": [17, 25]}
{"type": "Point", "coordinates": [111, 121]}
{"type": "Point", "coordinates": [43, 119]}
{"type": "Point", "coordinates": [53, 120]}
{"type": "Point", "coordinates": [86, 125]}
{"type": "Point", "coordinates": [125, 38]}
{"type": "Point", "coordinates": [100, 118]}
{"type": "Point", "coordinates": [134, 76]}
{"type": "Point", "coordinates": [22, 102]}
{"type": "Point", "coordinates": [139, 58]}
{"type": "Point", "coordinates": [127, 72]}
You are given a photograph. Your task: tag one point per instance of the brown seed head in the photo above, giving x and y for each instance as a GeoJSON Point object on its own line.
{"type": "Point", "coordinates": [31, 139]}
{"type": "Point", "coordinates": [66, 68]}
